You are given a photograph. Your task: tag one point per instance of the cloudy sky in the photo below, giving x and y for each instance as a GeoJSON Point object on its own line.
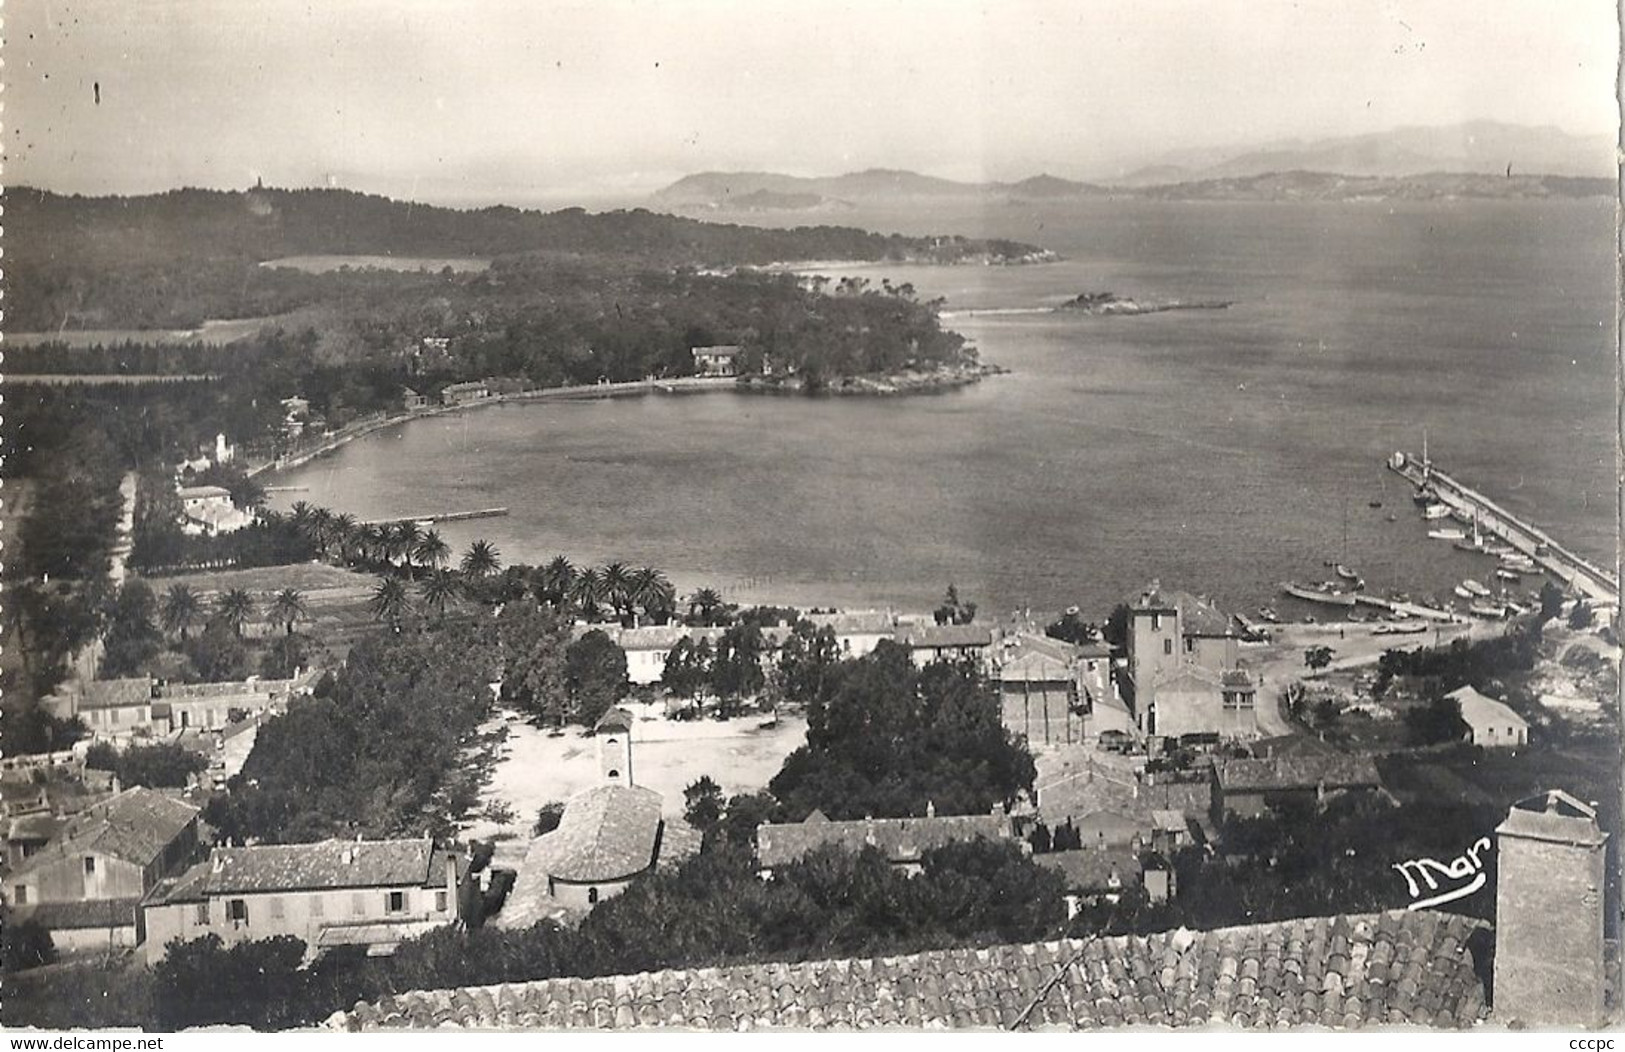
{"type": "Point", "coordinates": [492, 99]}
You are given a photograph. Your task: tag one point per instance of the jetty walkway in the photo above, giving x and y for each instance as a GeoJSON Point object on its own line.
{"type": "Point", "coordinates": [1581, 575]}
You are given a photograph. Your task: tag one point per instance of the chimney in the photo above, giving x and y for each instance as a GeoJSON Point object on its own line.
{"type": "Point", "coordinates": [1549, 969]}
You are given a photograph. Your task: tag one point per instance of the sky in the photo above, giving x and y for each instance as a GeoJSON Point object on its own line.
{"type": "Point", "coordinates": [499, 100]}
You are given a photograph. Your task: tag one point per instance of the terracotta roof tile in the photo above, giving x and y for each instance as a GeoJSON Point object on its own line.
{"type": "Point", "coordinates": [1234, 976]}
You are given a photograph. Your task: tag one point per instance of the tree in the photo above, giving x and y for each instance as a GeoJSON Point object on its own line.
{"type": "Point", "coordinates": [438, 589]}
{"type": "Point", "coordinates": [705, 607]}
{"type": "Point", "coordinates": [1318, 658]}
{"type": "Point", "coordinates": [1435, 721]}
{"type": "Point", "coordinates": [182, 610]}
{"type": "Point", "coordinates": [586, 592]}
{"type": "Point", "coordinates": [431, 551]}
{"type": "Point", "coordinates": [1070, 627]}
{"type": "Point", "coordinates": [23, 945]}
{"type": "Point", "coordinates": [594, 675]}
{"type": "Point", "coordinates": [954, 612]}
{"type": "Point", "coordinates": [218, 653]}
{"type": "Point", "coordinates": [653, 594]}
{"type": "Point", "coordinates": [162, 766]}
{"type": "Point", "coordinates": [702, 803]}
{"type": "Point", "coordinates": [533, 643]}
{"type": "Point", "coordinates": [389, 601]}
{"type": "Point", "coordinates": [809, 665]}
{"type": "Point", "coordinates": [684, 675]}
{"type": "Point", "coordinates": [404, 539]}
{"type": "Point", "coordinates": [481, 560]}
{"type": "Point", "coordinates": [132, 639]}
{"type": "Point", "coordinates": [556, 581]}
{"type": "Point", "coordinates": [286, 656]}
{"type": "Point", "coordinates": [1115, 631]}
{"type": "Point", "coordinates": [235, 608]}
{"type": "Point", "coordinates": [617, 580]}
{"type": "Point", "coordinates": [287, 607]}
{"type": "Point", "coordinates": [548, 818]}
{"type": "Point", "coordinates": [737, 673]}
{"type": "Point", "coordinates": [1581, 616]}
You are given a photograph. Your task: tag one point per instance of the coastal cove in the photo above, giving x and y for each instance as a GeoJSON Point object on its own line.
{"type": "Point", "coordinates": [1096, 463]}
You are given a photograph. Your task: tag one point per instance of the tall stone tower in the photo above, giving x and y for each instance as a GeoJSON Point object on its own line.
{"type": "Point", "coordinates": [1549, 967]}
{"type": "Point", "coordinates": [1154, 646]}
{"type": "Point", "coordinates": [614, 734]}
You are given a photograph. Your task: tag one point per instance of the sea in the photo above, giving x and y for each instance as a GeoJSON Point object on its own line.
{"type": "Point", "coordinates": [1221, 452]}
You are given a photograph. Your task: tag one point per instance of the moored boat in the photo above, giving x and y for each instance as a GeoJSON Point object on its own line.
{"type": "Point", "coordinates": [1435, 511]}
{"type": "Point", "coordinates": [1462, 592]}
{"type": "Point", "coordinates": [1447, 533]}
{"type": "Point", "coordinates": [1507, 575]}
{"type": "Point", "coordinates": [1490, 610]}
{"type": "Point", "coordinates": [1268, 614]}
{"type": "Point", "coordinates": [1318, 595]}
{"type": "Point", "coordinates": [1475, 588]}
{"type": "Point", "coordinates": [1346, 574]}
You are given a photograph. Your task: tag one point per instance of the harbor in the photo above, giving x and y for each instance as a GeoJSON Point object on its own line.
{"type": "Point", "coordinates": [1536, 548]}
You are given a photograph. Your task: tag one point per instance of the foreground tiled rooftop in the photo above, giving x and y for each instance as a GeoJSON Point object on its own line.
{"type": "Point", "coordinates": [1373, 969]}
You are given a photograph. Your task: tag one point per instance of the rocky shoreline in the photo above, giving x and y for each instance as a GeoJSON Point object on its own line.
{"type": "Point", "coordinates": [904, 382]}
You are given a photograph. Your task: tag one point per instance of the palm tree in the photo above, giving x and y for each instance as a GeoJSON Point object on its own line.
{"type": "Point", "coordinates": [651, 591]}
{"type": "Point", "coordinates": [439, 588]}
{"type": "Point", "coordinates": [705, 603]}
{"type": "Point", "coordinates": [403, 541]}
{"type": "Point", "coordinates": [618, 588]}
{"type": "Point", "coordinates": [236, 607]}
{"type": "Point", "coordinates": [375, 538]}
{"type": "Point", "coordinates": [289, 606]}
{"type": "Point", "coordinates": [586, 592]}
{"type": "Point", "coordinates": [181, 609]}
{"type": "Point", "coordinates": [389, 601]}
{"type": "Point", "coordinates": [431, 550]}
{"type": "Point", "coordinates": [322, 531]}
{"type": "Point", "coordinates": [346, 532]}
{"type": "Point", "coordinates": [482, 559]}
{"type": "Point", "coordinates": [299, 517]}
{"type": "Point", "coordinates": [558, 577]}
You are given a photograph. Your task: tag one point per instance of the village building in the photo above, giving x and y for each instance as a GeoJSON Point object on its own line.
{"type": "Point", "coordinates": [929, 643]}
{"type": "Point", "coordinates": [213, 706]}
{"type": "Point", "coordinates": [1490, 724]}
{"type": "Point", "coordinates": [903, 841]}
{"type": "Point", "coordinates": [110, 854]}
{"type": "Point", "coordinates": [1102, 876]}
{"type": "Point", "coordinates": [412, 400]}
{"type": "Point", "coordinates": [1055, 693]}
{"type": "Point", "coordinates": [857, 632]}
{"type": "Point", "coordinates": [608, 836]}
{"type": "Point", "coordinates": [465, 393]}
{"type": "Point", "coordinates": [1249, 787]}
{"type": "Point", "coordinates": [1546, 952]}
{"type": "Point", "coordinates": [371, 893]}
{"type": "Point", "coordinates": [208, 511]}
{"type": "Point", "coordinates": [111, 708]}
{"type": "Point", "coordinates": [647, 646]}
{"type": "Point", "coordinates": [1184, 668]}
{"type": "Point", "coordinates": [720, 360]}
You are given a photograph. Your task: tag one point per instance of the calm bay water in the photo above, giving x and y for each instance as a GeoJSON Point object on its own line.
{"type": "Point", "coordinates": [1221, 451]}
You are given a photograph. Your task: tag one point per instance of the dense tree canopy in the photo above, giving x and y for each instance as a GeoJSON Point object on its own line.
{"type": "Point", "coordinates": [894, 739]}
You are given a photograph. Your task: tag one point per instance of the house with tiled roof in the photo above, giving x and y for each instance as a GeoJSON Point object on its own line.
{"type": "Point", "coordinates": [1490, 724]}
{"type": "Point", "coordinates": [372, 893]}
{"type": "Point", "coordinates": [1250, 786]}
{"type": "Point", "coordinates": [857, 632]}
{"type": "Point", "coordinates": [928, 643]}
{"type": "Point", "coordinates": [1417, 967]}
{"type": "Point", "coordinates": [903, 841]}
{"type": "Point", "coordinates": [112, 852]}
{"type": "Point", "coordinates": [111, 708]}
{"type": "Point", "coordinates": [1054, 693]}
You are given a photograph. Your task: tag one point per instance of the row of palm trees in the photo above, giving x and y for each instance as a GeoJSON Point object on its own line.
{"type": "Point", "coordinates": [183, 609]}
{"type": "Point", "coordinates": [406, 545]}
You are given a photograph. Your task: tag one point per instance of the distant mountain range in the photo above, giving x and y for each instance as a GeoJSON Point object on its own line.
{"type": "Point", "coordinates": [1478, 159]}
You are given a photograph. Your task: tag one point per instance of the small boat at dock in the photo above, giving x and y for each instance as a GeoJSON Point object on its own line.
{"type": "Point", "coordinates": [1489, 610]}
{"type": "Point", "coordinates": [1345, 573]}
{"type": "Point", "coordinates": [1507, 575]}
{"type": "Point", "coordinates": [1475, 588]}
{"type": "Point", "coordinates": [1323, 594]}
{"type": "Point", "coordinates": [1447, 533]}
{"type": "Point", "coordinates": [1521, 563]}
{"type": "Point", "coordinates": [1462, 592]}
{"type": "Point", "coordinates": [1435, 511]}
{"type": "Point", "coordinates": [1268, 614]}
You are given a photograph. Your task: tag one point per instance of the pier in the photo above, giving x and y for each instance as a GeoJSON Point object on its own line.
{"type": "Point", "coordinates": [1581, 575]}
{"type": "Point", "coordinates": [445, 516]}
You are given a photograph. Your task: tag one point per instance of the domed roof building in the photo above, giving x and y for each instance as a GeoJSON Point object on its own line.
{"type": "Point", "coordinates": [608, 835]}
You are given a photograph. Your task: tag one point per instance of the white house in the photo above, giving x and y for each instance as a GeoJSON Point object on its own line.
{"type": "Point", "coordinates": [1490, 723]}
